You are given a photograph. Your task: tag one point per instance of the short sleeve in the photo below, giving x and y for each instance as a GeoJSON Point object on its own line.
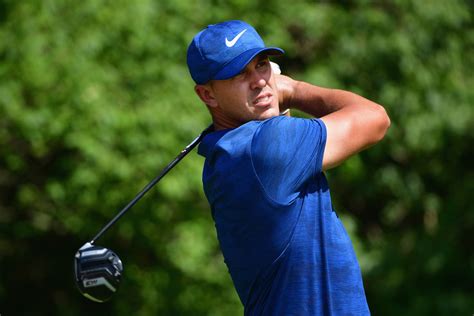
{"type": "Point", "coordinates": [287, 153]}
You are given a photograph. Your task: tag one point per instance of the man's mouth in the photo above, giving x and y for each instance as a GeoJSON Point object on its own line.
{"type": "Point", "coordinates": [263, 100]}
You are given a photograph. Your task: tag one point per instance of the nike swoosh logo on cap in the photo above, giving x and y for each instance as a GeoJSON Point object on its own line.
{"type": "Point", "coordinates": [236, 38]}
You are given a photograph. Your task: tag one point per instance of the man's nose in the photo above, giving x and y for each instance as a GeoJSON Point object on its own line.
{"type": "Point", "coordinates": [258, 80]}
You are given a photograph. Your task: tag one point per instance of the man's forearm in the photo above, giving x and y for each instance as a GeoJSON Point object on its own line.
{"type": "Point", "coordinates": [319, 102]}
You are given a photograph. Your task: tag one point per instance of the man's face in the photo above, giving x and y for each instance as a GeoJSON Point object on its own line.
{"type": "Point", "coordinates": [251, 95]}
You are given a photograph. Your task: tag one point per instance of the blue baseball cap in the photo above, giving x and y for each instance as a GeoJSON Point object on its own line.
{"type": "Point", "coordinates": [221, 51]}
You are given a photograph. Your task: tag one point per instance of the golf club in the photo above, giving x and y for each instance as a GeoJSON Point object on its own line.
{"type": "Point", "coordinates": [98, 270]}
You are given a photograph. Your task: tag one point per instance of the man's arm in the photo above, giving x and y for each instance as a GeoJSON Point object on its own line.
{"type": "Point", "coordinates": [353, 123]}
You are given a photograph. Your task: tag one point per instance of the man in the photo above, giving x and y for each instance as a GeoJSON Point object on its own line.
{"type": "Point", "coordinates": [285, 248]}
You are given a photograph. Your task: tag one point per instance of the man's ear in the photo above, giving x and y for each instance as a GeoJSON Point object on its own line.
{"type": "Point", "coordinates": [206, 94]}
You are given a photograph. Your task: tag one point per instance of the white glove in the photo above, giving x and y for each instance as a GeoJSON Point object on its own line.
{"type": "Point", "coordinates": [276, 68]}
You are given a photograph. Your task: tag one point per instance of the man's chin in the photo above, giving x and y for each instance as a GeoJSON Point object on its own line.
{"type": "Point", "coordinates": [272, 112]}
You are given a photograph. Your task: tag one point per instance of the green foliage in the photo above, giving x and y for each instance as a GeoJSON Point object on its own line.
{"type": "Point", "coordinates": [95, 99]}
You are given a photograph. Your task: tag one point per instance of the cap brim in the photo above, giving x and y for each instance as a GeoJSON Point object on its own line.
{"type": "Point", "coordinates": [238, 64]}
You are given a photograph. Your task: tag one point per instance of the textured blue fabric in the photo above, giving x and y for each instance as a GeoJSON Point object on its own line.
{"type": "Point", "coordinates": [285, 248]}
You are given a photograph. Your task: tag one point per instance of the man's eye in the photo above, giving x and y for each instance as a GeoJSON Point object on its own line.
{"type": "Point", "coordinates": [263, 63]}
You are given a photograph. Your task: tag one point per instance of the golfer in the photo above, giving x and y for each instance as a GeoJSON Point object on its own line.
{"type": "Point", "coordinates": [284, 245]}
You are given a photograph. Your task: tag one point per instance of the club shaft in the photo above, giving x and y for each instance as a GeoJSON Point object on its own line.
{"type": "Point", "coordinates": [178, 158]}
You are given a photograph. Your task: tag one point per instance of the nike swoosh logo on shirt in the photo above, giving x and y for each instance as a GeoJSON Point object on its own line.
{"type": "Point", "coordinates": [236, 38]}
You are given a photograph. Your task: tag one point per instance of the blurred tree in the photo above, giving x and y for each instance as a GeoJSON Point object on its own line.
{"type": "Point", "coordinates": [95, 99]}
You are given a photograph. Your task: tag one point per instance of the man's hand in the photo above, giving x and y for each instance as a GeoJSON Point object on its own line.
{"type": "Point", "coordinates": [286, 88]}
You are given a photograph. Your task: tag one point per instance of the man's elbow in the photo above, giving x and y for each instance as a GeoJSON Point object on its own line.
{"type": "Point", "coordinates": [382, 123]}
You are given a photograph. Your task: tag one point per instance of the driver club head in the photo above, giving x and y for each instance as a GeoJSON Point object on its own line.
{"type": "Point", "coordinates": [97, 272]}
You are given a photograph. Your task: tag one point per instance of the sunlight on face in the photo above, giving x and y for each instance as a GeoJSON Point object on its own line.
{"type": "Point", "coordinates": [250, 95]}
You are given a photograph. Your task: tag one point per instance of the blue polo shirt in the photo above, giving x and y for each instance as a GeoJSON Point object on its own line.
{"type": "Point", "coordinates": [286, 250]}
